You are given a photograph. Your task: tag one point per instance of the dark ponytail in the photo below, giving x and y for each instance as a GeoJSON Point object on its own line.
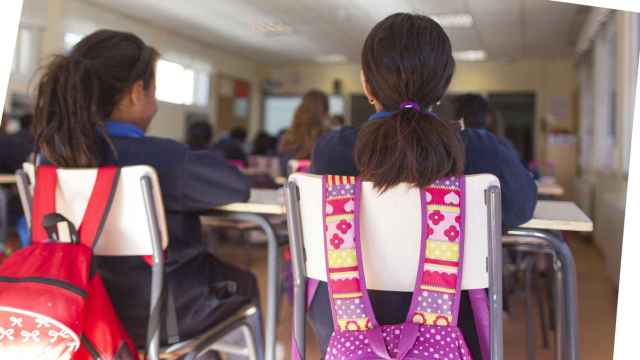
{"type": "Point", "coordinates": [408, 58]}
{"type": "Point", "coordinates": [79, 91]}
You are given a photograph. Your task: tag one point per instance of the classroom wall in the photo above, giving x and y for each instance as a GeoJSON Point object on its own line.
{"type": "Point", "coordinates": [60, 16]}
{"type": "Point", "coordinates": [553, 81]}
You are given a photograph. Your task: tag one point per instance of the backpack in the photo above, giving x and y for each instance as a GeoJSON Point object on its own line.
{"type": "Point", "coordinates": [53, 304]}
{"type": "Point", "coordinates": [429, 331]}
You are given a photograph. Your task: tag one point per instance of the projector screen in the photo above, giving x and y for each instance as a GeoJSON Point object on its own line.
{"type": "Point", "coordinates": [279, 110]}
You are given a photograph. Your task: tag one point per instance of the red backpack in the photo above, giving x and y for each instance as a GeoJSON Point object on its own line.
{"type": "Point", "coordinates": [53, 304]}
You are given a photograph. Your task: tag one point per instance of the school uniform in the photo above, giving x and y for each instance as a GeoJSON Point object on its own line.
{"type": "Point", "coordinates": [232, 150]}
{"type": "Point", "coordinates": [333, 155]}
{"type": "Point", "coordinates": [204, 288]}
{"type": "Point", "coordinates": [14, 150]}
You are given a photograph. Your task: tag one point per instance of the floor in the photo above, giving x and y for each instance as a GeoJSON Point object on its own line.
{"type": "Point", "coordinates": [597, 307]}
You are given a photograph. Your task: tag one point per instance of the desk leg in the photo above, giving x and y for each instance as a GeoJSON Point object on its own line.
{"type": "Point", "coordinates": [565, 288]}
{"type": "Point", "coordinates": [273, 279]}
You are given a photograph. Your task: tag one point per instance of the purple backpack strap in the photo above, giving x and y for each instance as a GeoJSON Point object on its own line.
{"type": "Point", "coordinates": [350, 306]}
{"type": "Point", "coordinates": [436, 297]}
{"type": "Point", "coordinates": [480, 307]}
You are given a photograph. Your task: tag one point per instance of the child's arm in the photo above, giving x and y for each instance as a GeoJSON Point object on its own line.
{"type": "Point", "coordinates": [209, 180]}
{"type": "Point", "coordinates": [519, 190]}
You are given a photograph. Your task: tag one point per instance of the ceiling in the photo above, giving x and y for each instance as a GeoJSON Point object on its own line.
{"type": "Point", "coordinates": [505, 29]}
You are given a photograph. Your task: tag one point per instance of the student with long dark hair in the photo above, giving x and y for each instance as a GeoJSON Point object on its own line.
{"type": "Point", "coordinates": [308, 124]}
{"type": "Point", "coordinates": [92, 109]}
{"type": "Point", "coordinates": [407, 65]}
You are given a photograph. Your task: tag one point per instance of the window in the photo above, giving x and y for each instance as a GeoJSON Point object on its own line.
{"type": "Point", "coordinates": [26, 56]}
{"type": "Point", "coordinates": [70, 40]}
{"type": "Point", "coordinates": [178, 84]}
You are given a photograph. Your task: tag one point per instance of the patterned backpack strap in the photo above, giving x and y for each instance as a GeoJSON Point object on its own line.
{"type": "Point", "coordinates": [351, 309]}
{"type": "Point", "coordinates": [436, 297]}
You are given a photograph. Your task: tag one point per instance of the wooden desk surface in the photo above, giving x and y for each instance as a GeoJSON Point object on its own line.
{"type": "Point", "coordinates": [7, 179]}
{"type": "Point", "coordinates": [261, 201]}
{"type": "Point", "coordinates": [559, 215]}
{"type": "Point", "coordinates": [550, 188]}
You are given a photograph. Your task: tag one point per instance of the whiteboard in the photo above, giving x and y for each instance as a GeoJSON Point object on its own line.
{"type": "Point", "coordinates": [279, 110]}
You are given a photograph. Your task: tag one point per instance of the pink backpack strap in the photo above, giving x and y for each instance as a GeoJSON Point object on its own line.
{"type": "Point", "coordinates": [350, 306]}
{"type": "Point", "coordinates": [436, 297]}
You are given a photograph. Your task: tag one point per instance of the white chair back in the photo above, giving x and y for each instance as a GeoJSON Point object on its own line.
{"type": "Point", "coordinates": [390, 227]}
{"type": "Point", "coordinates": [127, 229]}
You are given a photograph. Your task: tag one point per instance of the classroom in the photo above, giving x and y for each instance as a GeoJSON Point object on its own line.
{"type": "Point", "coordinates": [279, 179]}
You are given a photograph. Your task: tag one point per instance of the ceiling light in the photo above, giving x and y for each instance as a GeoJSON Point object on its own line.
{"type": "Point", "coordinates": [470, 55]}
{"type": "Point", "coordinates": [272, 28]}
{"type": "Point", "coordinates": [461, 20]}
{"type": "Point", "coordinates": [331, 59]}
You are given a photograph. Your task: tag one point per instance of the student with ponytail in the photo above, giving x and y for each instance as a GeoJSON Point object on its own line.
{"type": "Point", "coordinates": [407, 65]}
{"type": "Point", "coordinates": [92, 109]}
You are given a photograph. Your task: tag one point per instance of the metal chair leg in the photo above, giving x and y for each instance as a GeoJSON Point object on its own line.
{"type": "Point", "coordinates": [528, 278]}
{"type": "Point", "coordinates": [541, 309]}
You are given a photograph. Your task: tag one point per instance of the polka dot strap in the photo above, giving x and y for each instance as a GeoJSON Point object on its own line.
{"type": "Point", "coordinates": [436, 296]}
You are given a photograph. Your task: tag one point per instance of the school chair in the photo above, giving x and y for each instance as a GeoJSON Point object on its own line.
{"type": "Point", "coordinates": [136, 226]}
{"type": "Point", "coordinates": [269, 164]}
{"type": "Point", "coordinates": [298, 165]}
{"type": "Point", "coordinates": [482, 263]}
{"type": "Point", "coordinates": [4, 217]}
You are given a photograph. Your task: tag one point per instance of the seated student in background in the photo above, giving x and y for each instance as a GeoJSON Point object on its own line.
{"type": "Point", "coordinates": [264, 144]}
{"type": "Point", "coordinates": [15, 148]}
{"type": "Point", "coordinates": [199, 135]}
{"type": "Point", "coordinates": [336, 122]}
{"type": "Point", "coordinates": [408, 58]}
{"type": "Point", "coordinates": [472, 110]}
{"type": "Point", "coordinates": [108, 103]}
{"type": "Point", "coordinates": [308, 124]}
{"type": "Point", "coordinates": [232, 145]}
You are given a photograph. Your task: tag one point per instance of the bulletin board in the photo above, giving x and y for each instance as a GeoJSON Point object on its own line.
{"type": "Point", "coordinates": [234, 102]}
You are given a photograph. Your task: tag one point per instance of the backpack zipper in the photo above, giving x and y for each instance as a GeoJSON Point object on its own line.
{"type": "Point", "coordinates": [47, 281]}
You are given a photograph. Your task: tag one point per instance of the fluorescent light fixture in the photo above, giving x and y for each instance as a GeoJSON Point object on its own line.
{"type": "Point", "coordinates": [331, 59]}
{"type": "Point", "coordinates": [470, 55]}
{"type": "Point", "coordinates": [273, 28]}
{"type": "Point", "coordinates": [462, 20]}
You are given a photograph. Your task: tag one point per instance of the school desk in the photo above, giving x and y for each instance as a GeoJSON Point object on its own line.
{"type": "Point", "coordinates": [262, 204]}
{"type": "Point", "coordinates": [542, 235]}
{"type": "Point", "coordinates": [7, 179]}
{"type": "Point", "coordinates": [549, 188]}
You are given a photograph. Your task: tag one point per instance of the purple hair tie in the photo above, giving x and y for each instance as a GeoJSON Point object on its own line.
{"type": "Point", "coordinates": [410, 105]}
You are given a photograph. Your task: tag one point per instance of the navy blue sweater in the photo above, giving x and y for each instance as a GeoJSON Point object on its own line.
{"type": "Point", "coordinates": [484, 153]}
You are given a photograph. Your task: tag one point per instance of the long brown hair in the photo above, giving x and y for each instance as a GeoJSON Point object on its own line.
{"type": "Point", "coordinates": [308, 125]}
{"type": "Point", "coordinates": [408, 57]}
{"type": "Point", "coordinates": [78, 92]}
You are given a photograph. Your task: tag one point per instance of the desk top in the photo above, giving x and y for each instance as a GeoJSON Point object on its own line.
{"type": "Point", "coordinates": [559, 215]}
{"type": "Point", "coordinates": [548, 215]}
{"type": "Point", "coordinates": [548, 186]}
{"type": "Point", "coordinates": [261, 201]}
{"type": "Point", "coordinates": [7, 179]}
